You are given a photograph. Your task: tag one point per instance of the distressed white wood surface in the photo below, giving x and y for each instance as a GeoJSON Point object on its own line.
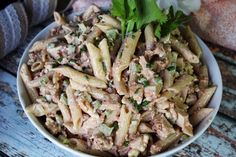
{"type": "Point", "coordinates": [18, 137]}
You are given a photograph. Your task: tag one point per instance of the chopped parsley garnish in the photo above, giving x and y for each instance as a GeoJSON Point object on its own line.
{"type": "Point", "coordinates": [86, 77]}
{"type": "Point", "coordinates": [149, 65]}
{"type": "Point", "coordinates": [142, 80]}
{"type": "Point", "coordinates": [158, 79]}
{"type": "Point", "coordinates": [115, 125]}
{"type": "Point", "coordinates": [97, 104]}
{"type": "Point", "coordinates": [104, 67]}
{"type": "Point", "coordinates": [126, 143]}
{"type": "Point", "coordinates": [140, 106]}
{"type": "Point", "coordinates": [112, 34]}
{"type": "Point", "coordinates": [137, 67]}
{"type": "Point", "coordinates": [44, 81]}
{"type": "Point", "coordinates": [136, 14]}
{"type": "Point", "coordinates": [83, 49]}
{"type": "Point", "coordinates": [59, 59]}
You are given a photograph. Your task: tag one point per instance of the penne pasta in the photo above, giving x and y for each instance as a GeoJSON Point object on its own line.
{"type": "Point", "coordinates": [75, 110]}
{"type": "Point", "coordinates": [199, 115]}
{"type": "Point", "coordinates": [192, 40]}
{"type": "Point", "coordinates": [203, 100]}
{"type": "Point", "coordinates": [103, 45]}
{"type": "Point", "coordinates": [36, 66]}
{"type": "Point", "coordinates": [96, 32]}
{"type": "Point", "coordinates": [149, 36]}
{"type": "Point", "coordinates": [108, 20]}
{"type": "Point", "coordinates": [103, 27]}
{"type": "Point", "coordinates": [183, 50]}
{"type": "Point", "coordinates": [42, 80]}
{"type": "Point", "coordinates": [96, 61]}
{"type": "Point", "coordinates": [80, 77]}
{"type": "Point", "coordinates": [124, 123]}
{"type": "Point", "coordinates": [165, 143]}
{"type": "Point", "coordinates": [95, 93]}
{"type": "Point", "coordinates": [122, 61]}
{"type": "Point", "coordinates": [181, 83]}
{"type": "Point", "coordinates": [26, 78]}
{"type": "Point", "coordinates": [65, 112]}
{"type": "Point", "coordinates": [59, 19]}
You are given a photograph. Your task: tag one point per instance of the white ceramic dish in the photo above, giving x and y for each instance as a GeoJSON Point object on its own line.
{"type": "Point", "coordinates": [207, 58]}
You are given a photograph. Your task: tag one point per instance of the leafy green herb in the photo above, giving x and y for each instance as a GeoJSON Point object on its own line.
{"type": "Point", "coordinates": [86, 77]}
{"type": "Point", "coordinates": [174, 21]}
{"type": "Point", "coordinates": [137, 68]}
{"type": "Point", "coordinates": [112, 34]}
{"type": "Point", "coordinates": [115, 125]}
{"type": "Point", "coordinates": [140, 106]}
{"type": "Point", "coordinates": [43, 81]}
{"type": "Point", "coordinates": [135, 14]}
{"type": "Point", "coordinates": [59, 59]}
{"type": "Point", "coordinates": [126, 143]}
{"type": "Point", "coordinates": [158, 79]}
{"type": "Point", "coordinates": [143, 80]}
{"type": "Point", "coordinates": [104, 67]}
{"type": "Point", "coordinates": [83, 49]}
{"type": "Point", "coordinates": [149, 65]}
{"type": "Point", "coordinates": [97, 104]}
{"type": "Point", "coordinates": [171, 68]}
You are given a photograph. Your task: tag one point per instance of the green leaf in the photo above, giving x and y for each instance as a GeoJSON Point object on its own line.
{"type": "Point", "coordinates": [174, 21]}
{"type": "Point", "coordinates": [118, 8]}
{"type": "Point", "coordinates": [148, 12]}
{"type": "Point", "coordinates": [126, 143]}
{"type": "Point", "coordinates": [158, 31]}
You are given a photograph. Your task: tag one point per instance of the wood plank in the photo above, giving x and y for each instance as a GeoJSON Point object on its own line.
{"type": "Point", "coordinates": [228, 104]}
{"type": "Point", "coordinates": [20, 138]}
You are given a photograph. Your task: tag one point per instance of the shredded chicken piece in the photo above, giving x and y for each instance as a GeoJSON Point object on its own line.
{"type": "Point", "coordinates": [102, 143]}
{"type": "Point", "coordinates": [148, 73]}
{"type": "Point", "coordinates": [183, 122]}
{"type": "Point", "coordinates": [162, 126]}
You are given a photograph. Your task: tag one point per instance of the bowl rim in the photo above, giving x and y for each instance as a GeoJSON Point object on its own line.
{"type": "Point", "coordinates": [168, 152]}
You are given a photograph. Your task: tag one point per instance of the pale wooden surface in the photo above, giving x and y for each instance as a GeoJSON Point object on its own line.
{"type": "Point", "coordinates": [18, 137]}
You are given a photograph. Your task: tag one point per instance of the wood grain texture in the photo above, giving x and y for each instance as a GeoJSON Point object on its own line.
{"type": "Point", "coordinates": [20, 138]}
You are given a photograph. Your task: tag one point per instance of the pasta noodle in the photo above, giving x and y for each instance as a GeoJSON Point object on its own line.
{"type": "Point", "coordinates": [122, 61]}
{"type": "Point", "coordinates": [82, 78]}
{"type": "Point", "coordinates": [124, 122]}
{"type": "Point", "coordinates": [96, 61]}
{"type": "Point", "coordinates": [108, 20]}
{"type": "Point", "coordinates": [75, 110]}
{"type": "Point", "coordinates": [103, 45]}
{"type": "Point", "coordinates": [26, 77]}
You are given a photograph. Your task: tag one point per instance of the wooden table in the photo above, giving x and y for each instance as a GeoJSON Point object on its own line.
{"type": "Point", "coordinates": [18, 137]}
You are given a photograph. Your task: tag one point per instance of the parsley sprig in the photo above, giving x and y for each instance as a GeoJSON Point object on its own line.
{"type": "Point", "coordinates": [136, 14]}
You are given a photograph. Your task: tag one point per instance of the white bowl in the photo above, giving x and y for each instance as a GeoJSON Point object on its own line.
{"type": "Point", "coordinates": [207, 58]}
